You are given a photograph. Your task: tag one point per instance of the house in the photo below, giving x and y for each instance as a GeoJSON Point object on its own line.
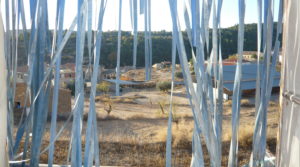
{"type": "Point", "coordinates": [22, 74]}
{"type": "Point", "coordinates": [248, 81]}
{"type": "Point", "coordinates": [64, 101]}
{"type": "Point", "coordinates": [107, 74]}
{"type": "Point", "coordinates": [247, 56]}
{"type": "Point", "coordinates": [70, 66]}
{"type": "Point", "coordinates": [164, 64]}
{"type": "Point", "coordinates": [157, 66]}
{"type": "Point", "coordinates": [250, 55]}
{"type": "Point", "coordinates": [66, 76]}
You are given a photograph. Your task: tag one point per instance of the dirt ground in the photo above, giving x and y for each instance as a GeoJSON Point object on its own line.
{"type": "Point", "coordinates": [134, 132]}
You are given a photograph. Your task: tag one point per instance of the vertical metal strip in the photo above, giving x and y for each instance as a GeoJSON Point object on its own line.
{"type": "Point", "coordinates": [91, 132]}
{"type": "Point", "coordinates": [169, 131]}
{"type": "Point", "coordinates": [76, 159]}
{"type": "Point", "coordinates": [236, 99]}
{"type": "Point", "coordinates": [135, 31]}
{"type": "Point", "coordinates": [58, 25]}
{"type": "Point", "coordinates": [119, 50]}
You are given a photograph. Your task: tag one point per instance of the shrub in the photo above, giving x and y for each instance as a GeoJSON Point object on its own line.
{"type": "Point", "coordinates": [191, 62]}
{"type": "Point", "coordinates": [232, 57]}
{"type": "Point", "coordinates": [162, 106]}
{"type": "Point", "coordinates": [108, 107]}
{"type": "Point", "coordinates": [179, 75]}
{"type": "Point", "coordinates": [254, 56]}
{"type": "Point", "coordinates": [246, 103]}
{"type": "Point", "coordinates": [163, 86]}
{"type": "Point", "coordinates": [103, 87]}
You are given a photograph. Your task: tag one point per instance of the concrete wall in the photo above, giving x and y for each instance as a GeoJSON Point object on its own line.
{"type": "Point", "coordinates": [288, 151]}
{"type": "Point", "coordinates": [3, 102]}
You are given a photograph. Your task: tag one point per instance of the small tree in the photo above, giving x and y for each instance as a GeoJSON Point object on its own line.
{"type": "Point", "coordinates": [164, 86]}
{"type": "Point", "coordinates": [103, 87]}
{"type": "Point", "coordinates": [254, 56]}
{"type": "Point", "coordinates": [108, 107]}
{"type": "Point", "coordinates": [179, 75]}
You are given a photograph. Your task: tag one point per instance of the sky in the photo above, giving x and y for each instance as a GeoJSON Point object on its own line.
{"type": "Point", "coordinates": [161, 19]}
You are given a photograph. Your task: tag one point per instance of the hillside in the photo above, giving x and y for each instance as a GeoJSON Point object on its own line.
{"type": "Point", "coordinates": [161, 46]}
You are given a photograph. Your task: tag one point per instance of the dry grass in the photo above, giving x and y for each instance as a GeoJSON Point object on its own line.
{"type": "Point", "coordinates": [129, 150]}
{"type": "Point", "coordinates": [137, 138]}
{"type": "Point", "coordinates": [246, 103]}
{"type": "Point", "coordinates": [133, 149]}
{"type": "Point", "coordinates": [108, 99]}
{"type": "Point", "coordinates": [273, 103]}
{"type": "Point", "coordinates": [138, 117]}
{"type": "Point", "coordinates": [181, 133]}
{"type": "Point", "coordinates": [245, 136]}
{"type": "Point", "coordinates": [228, 103]}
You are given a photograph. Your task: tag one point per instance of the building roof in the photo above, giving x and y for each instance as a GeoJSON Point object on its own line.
{"type": "Point", "coordinates": [70, 66]}
{"type": "Point", "coordinates": [249, 73]}
{"type": "Point", "coordinates": [22, 69]}
{"type": "Point", "coordinates": [64, 71]}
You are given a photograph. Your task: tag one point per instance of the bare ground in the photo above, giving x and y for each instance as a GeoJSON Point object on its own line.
{"type": "Point", "coordinates": [134, 133]}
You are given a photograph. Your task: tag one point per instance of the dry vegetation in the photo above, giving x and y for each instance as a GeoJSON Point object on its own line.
{"type": "Point", "coordinates": [134, 132]}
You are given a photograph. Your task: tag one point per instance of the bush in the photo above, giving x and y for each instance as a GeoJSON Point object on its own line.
{"type": "Point", "coordinates": [232, 57]}
{"type": "Point", "coordinates": [103, 87]}
{"type": "Point", "coordinates": [163, 86]}
{"type": "Point", "coordinates": [254, 56]}
{"type": "Point", "coordinates": [179, 75]}
{"type": "Point", "coordinates": [191, 62]}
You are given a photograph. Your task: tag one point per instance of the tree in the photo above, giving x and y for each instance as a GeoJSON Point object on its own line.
{"type": "Point", "coordinates": [254, 56]}
{"type": "Point", "coordinates": [164, 86]}
{"type": "Point", "coordinates": [103, 87]}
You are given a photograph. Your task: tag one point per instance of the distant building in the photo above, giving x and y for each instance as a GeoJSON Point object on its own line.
{"type": "Point", "coordinates": [64, 101]}
{"type": "Point", "coordinates": [157, 66]}
{"type": "Point", "coordinates": [247, 56]}
{"type": "Point", "coordinates": [250, 55]}
{"type": "Point", "coordinates": [248, 81]}
{"type": "Point", "coordinates": [22, 74]}
{"type": "Point", "coordinates": [164, 64]}
{"type": "Point", "coordinates": [107, 74]}
{"type": "Point", "coordinates": [69, 66]}
{"type": "Point", "coordinates": [66, 76]}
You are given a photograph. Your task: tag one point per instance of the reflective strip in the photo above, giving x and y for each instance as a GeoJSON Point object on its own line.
{"type": "Point", "coordinates": [236, 99]}
{"type": "Point", "coordinates": [59, 26]}
{"type": "Point", "coordinates": [134, 18]}
{"type": "Point", "coordinates": [76, 151]}
{"type": "Point", "coordinates": [91, 132]}
{"type": "Point", "coordinates": [169, 132]}
{"type": "Point", "coordinates": [119, 50]}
